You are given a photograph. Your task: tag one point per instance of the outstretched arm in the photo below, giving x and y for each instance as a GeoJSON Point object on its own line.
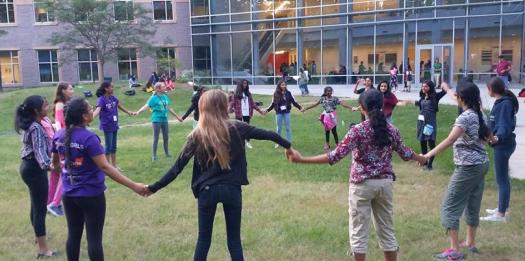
{"type": "Point", "coordinates": [124, 109]}
{"type": "Point", "coordinates": [101, 161]}
{"type": "Point", "coordinates": [96, 112]}
{"type": "Point", "coordinates": [142, 109]}
{"type": "Point", "coordinates": [452, 137]}
{"type": "Point", "coordinates": [311, 106]}
{"type": "Point", "coordinates": [175, 114]}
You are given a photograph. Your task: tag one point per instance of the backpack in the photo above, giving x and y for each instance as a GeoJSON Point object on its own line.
{"type": "Point", "coordinates": [88, 94]}
{"type": "Point", "coordinates": [129, 92]}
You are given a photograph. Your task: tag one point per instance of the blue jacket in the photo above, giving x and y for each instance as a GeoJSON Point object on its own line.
{"type": "Point", "coordinates": [502, 121]}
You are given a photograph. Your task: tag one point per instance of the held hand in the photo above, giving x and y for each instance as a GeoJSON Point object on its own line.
{"type": "Point", "coordinates": [148, 192]}
{"type": "Point", "coordinates": [355, 108]}
{"type": "Point", "coordinates": [293, 155]}
{"type": "Point", "coordinates": [445, 86]}
{"type": "Point", "coordinates": [421, 159]}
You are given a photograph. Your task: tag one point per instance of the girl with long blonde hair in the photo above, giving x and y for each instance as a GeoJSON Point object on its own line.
{"type": "Point", "coordinates": [219, 169]}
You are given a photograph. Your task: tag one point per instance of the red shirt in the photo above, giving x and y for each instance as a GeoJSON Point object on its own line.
{"type": "Point", "coordinates": [503, 65]}
{"type": "Point", "coordinates": [389, 103]}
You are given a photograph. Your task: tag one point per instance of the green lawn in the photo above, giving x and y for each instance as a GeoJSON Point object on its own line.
{"type": "Point", "coordinates": [291, 212]}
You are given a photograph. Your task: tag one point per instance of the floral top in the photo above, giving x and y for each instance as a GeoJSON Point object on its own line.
{"type": "Point", "coordinates": [329, 104]}
{"type": "Point", "coordinates": [368, 160]}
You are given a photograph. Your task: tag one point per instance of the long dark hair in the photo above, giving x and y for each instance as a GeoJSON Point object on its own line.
{"type": "Point", "coordinates": [498, 87]}
{"type": "Point", "coordinates": [326, 90]}
{"type": "Point", "coordinates": [59, 94]}
{"type": "Point", "coordinates": [388, 88]}
{"type": "Point", "coordinates": [74, 112]}
{"type": "Point", "coordinates": [101, 91]}
{"type": "Point", "coordinates": [26, 113]}
{"type": "Point", "coordinates": [240, 90]}
{"type": "Point", "coordinates": [372, 102]}
{"type": "Point", "coordinates": [431, 90]}
{"type": "Point", "coordinates": [469, 94]}
{"type": "Point", "coordinates": [277, 94]}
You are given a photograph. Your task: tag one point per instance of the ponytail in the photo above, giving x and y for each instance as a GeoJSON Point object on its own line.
{"type": "Point", "coordinates": [372, 102]}
{"type": "Point", "coordinates": [25, 113]}
{"type": "Point", "coordinates": [74, 112]}
{"type": "Point", "coordinates": [469, 94]}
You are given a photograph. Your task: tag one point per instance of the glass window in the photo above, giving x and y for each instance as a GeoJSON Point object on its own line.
{"type": "Point", "coordinates": [451, 7]}
{"type": "Point", "coordinates": [7, 12]}
{"type": "Point", "coordinates": [420, 8]}
{"type": "Point", "coordinates": [483, 46]}
{"type": "Point", "coordinates": [285, 53]}
{"type": "Point", "coordinates": [87, 65]}
{"type": "Point", "coordinates": [362, 50]}
{"type": "Point", "coordinates": [201, 55]}
{"type": "Point", "coordinates": [334, 55]}
{"type": "Point", "coordinates": [162, 10]}
{"type": "Point", "coordinates": [459, 48]}
{"type": "Point", "coordinates": [10, 67]}
{"type": "Point", "coordinates": [389, 46]}
{"type": "Point", "coordinates": [123, 10]}
{"type": "Point", "coordinates": [242, 56]}
{"type": "Point", "coordinates": [478, 7]}
{"type": "Point", "coordinates": [199, 7]}
{"type": "Point", "coordinates": [263, 45]}
{"type": "Point", "coordinates": [385, 11]}
{"type": "Point", "coordinates": [42, 14]}
{"type": "Point", "coordinates": [284, 8]}
{"type": "Point", "coordinates": [331, 7]}
{"type": "Point", "coordinates": [511, 42]}
{"type": "Point", "coordinates": [434, 31]}
{"type": "Point", "coordinates": [312, 52]}
{"type": "Point", "coordinates": [48, 65]}
{"type": "Point", "coordinates": [311, 8]}
{"type": "Point", "coordinates": [166, 62]}
{"type": "Point", "coordinates": [513, 7]}
{"type": "Point", "coordinates": [221, 55]}
{"type": "Point", "coordinates": [263, 10]}
{"type": "Point", "coordinates": [363, 9]}
{"type": "Point", "coordinates": [220, 6]}
{"type": "Point", "coordinates": [127, 63]}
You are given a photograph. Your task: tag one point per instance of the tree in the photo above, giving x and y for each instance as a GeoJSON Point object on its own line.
{"type": "Point", "coordinates": [102, 25]}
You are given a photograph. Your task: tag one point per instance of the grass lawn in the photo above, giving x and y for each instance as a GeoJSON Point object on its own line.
{"type": "Point", "coordinates": [290, 212]}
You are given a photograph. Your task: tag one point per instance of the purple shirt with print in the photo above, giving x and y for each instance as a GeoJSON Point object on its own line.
{"type": "Point", "coordinates": [108, 113]}
{"type": "Point", "coordinates": [83, 178]}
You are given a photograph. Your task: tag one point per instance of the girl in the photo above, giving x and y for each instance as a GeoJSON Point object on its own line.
{"type": "Point", "coordinates": [160, 105]}
{"type": "Point", "coordinates": [393, 76]}
{"type": "Point", "coordinates": [408, 78]}
{"type": "Point", "coordinates": [282, 103]}
{"type": "Point", "coordinates": [302, 81]}
{"type": "Point", "coordinates": [219, 169]}
{"type": "Point", "coordinates": [83, 180]}
{"type": "Point", "coordinates": [329, 116]}
{"type": "Point", "coordinates": [502, 123]}
{"type": "Point", "coordinates": [35, 164]}
{"type": "Point", "coordinates": [194, 106]}
{"type": "Point", "coordinates": [466, 185]}
{"type": "Point", "coordinates": [63, 94]}
{"type": "Point", "coordinates": [242, 105]}
{"type": "Point", "coordinates": [389, 100]}
{"type": "Point", "coordinates": [368, 86]}
{"type": "Point", "coordinates": [107, 110]}
{"type": "Point", "coordinates": [426, 121]}
{"type": "Point", "coordinates": [372, 143]}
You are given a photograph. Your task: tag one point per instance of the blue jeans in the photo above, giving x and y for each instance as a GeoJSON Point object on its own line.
{"type": "Point", "coordinates": [505, 79]}
{"type": "Point", "coordinates": [110, 138]}
{"type": "Point", "coordinates": [279, 118]}
{"type": "Point", "coordinates": [501, 170]}
{"type": "Point", "coordinates": [304, 88]}
{"type": "Point", "coordinates": [231, 198]}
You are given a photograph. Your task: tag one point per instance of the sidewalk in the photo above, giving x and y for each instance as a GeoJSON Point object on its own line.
{"type": "Point", "coordinates": [517, 161]}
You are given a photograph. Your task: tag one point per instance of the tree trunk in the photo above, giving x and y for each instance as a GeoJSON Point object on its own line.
{"type": "Point", "coordinates": [100, 68]}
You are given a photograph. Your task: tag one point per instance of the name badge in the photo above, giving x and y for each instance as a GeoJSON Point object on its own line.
{"type": "Point", "coordinates": [421, 117]}
{"type": "Point", "coordinates": [283, 108]}
{"type": "Point", "coordinates": [114, 117]}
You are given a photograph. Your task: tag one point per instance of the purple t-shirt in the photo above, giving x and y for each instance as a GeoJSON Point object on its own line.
{"type": "Point", "coordinates": [108, 113]}
{"type": "Point", "coordinates": [83, 178]}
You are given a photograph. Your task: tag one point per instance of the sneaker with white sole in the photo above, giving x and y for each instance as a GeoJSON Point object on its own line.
{"type": "Point", "coordinates": [494, 218]}
{"type": "Point", "coordinates": [491, 210]}
{"type": "Point", "coordinates": [248, 145]}
{"type": "Point", "coordinates": [55, 210]}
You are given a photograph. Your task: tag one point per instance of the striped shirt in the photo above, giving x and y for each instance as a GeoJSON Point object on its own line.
{"type": "Point", "coordinates": [35, 145]}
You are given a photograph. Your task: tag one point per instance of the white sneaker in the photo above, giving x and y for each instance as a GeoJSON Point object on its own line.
{"type": "Point", "coordinates": [248, 145]}
{"type": "Point", "coordinates": [494, 218]}
{"type": "Point", "coordinates": [491, 210]}
{"type": "Point", "coordinates": [276, 146]}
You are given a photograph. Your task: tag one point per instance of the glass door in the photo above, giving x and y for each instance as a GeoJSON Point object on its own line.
{"type": "Point", "coordinates": [435, 63]}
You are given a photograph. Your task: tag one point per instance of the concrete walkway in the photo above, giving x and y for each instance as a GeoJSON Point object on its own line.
{"type": "Point", "coordinates": [517, 161]}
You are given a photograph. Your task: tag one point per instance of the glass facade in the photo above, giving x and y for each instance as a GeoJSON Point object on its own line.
{"type": "Point", "coordinates": [338, 41]}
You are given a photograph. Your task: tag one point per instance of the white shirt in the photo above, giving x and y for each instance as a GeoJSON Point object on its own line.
{"type": "Point", "coordinates": [245, 105]}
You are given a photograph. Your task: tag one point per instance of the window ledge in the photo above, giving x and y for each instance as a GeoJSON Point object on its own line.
{"type": "Point", "coordinates": [165, 21]}
{"type": "Point", "coordinates": [45, 23]}
{"type": "Point", "coordinates": [8, 24]}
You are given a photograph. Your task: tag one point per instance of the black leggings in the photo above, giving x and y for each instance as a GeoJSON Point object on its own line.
{"type": "Point", "coordinates": [90, 211]}
{"type": "Point", "coordinates": [424, 149]}
{"type": "Point", "coordinates": [327, 135]}
{"type": "Point", "coordinates": [36, 180]}
{"type": "Point", "coordinates": [247, 120]}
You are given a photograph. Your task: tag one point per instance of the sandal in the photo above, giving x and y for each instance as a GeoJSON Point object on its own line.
{"type": "Point", "coordinates": [449, 254]}
{"type": "Point", "coordinates": [48, 254]}
{"type": "Point", "coordinates": [471, 249]}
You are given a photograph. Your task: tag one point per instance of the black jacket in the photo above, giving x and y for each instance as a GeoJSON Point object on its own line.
{"type": "Point", "coordinates": [193, 107]}
{"type": "Point", "coordinates": [287, 100]}
{"type": "Point", "coordinates": [502, 121]}
{"type": "Point", "coordinates": [209, 175]}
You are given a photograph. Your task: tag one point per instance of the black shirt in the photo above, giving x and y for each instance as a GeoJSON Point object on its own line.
{"type": "Point", "coordinates": [193, 107]}
{"type": "Point", "coordinates": [284, 105]}
{"type": "Point", "coordinates": [209, 175]}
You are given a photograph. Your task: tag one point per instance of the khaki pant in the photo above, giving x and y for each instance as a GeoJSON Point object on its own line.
{"type": "Point", "coordinates": [372, 197]}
